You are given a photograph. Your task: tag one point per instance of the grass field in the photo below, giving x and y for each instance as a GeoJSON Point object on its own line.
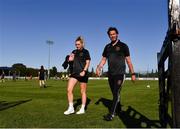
{"type": "Point", "coordinates": [24, 105]}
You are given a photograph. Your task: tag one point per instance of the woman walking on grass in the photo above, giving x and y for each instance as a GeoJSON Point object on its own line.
{"type": "Point", "coordinates": [81, 61]}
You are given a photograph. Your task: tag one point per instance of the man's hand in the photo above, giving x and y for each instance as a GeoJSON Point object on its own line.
{"type": "Point", "coordinates": [98, 73]}
{"type": "Point", "coordinates": [133, 78]}
{"type": "Point", "coordinates": [100, 66]}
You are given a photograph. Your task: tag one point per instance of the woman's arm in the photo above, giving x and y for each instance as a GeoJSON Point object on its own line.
{"type": "Point", "coordinates": [85, 68]}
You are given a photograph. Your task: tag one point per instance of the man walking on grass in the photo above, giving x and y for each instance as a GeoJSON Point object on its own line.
{"type": "Point", "coordinates": [116, 53]}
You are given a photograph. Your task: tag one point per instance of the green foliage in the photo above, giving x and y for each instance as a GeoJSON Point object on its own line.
{"type": "Point", "coordinates": [53, 71]}
{"type": "Point", "coordinates": [19, 69]}
{"type": "Point", "coordinates": [32, 71]}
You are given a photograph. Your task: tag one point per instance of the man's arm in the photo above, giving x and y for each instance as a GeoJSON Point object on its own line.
{"type": "Point", "coordinates": [100, 66]}
{"type": "Point", "coordinates": [131, 69]}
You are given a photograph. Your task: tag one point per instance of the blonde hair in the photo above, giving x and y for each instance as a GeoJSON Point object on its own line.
{"type": "Point", "coordinates": [80, 38]}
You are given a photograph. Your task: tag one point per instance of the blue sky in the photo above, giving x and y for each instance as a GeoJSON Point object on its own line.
{"type": "Point", "coordinates": [25, 25]}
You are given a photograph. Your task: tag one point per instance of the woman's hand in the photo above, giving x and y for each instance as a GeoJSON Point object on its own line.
{"type": "Point", "coordinates": [71, 57]}
{"type": "Point", "coordinates": [82, 74]}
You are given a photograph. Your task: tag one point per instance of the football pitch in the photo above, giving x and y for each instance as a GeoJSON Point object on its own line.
{"type": "Point", "coordinates": [24, 105]}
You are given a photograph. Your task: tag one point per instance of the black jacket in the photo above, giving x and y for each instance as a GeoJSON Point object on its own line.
{"type": "Point", "coordinates": [68, 63]}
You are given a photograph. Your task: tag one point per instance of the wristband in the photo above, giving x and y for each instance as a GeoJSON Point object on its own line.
{"type": "Point", "coordinates": [133, 74]}
{"type": "Point", "coordinates": [99, 68]}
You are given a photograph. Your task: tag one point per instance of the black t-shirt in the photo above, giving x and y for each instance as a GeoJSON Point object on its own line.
{"type": "Point", "coordinates": [80, 60]}
{"type": "Point", "coordinates": [41, 74]}
{"type": "Point", "coordinates": [116, 57]}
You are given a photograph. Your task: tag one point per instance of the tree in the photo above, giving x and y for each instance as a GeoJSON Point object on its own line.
{"type": "Point", "coordinates": [32, 71]}
{"type": "Point", "coordinates": [19, 68]}
{"type": "Point", "coordinates": [152, 71]}
{"type": "Point", "coordinates": [53, 71]}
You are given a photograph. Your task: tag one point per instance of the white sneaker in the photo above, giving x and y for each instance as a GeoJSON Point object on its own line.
{"type": "Point", "coordinates": [69, 111]}
{"type": "Point", "coordinates": [81, 111]}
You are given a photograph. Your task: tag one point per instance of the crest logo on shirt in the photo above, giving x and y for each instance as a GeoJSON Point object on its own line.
{"type": "Point", "coordinates": [117, 48]}
{"type": "Point", "coordinates": [81, 54]}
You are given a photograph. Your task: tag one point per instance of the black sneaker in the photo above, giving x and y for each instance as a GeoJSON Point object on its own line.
{"type": "Point", "coordinates": [108, 117]}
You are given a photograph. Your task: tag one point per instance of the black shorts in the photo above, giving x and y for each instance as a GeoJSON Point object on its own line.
{"type": "Point", "coordinates": [41, 78]}
{"type": "Point", "coordinates": [83, 79]}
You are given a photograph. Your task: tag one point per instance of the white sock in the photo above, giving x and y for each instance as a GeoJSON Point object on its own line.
{"type": "Point", "coordinates": [82, 106]}
{"type": "Point", "coordinates": [70, 105]}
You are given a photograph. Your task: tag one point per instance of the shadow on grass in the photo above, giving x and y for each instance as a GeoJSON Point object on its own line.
{"type": "Point", "coordinates": [78, 102]}
{"type": "Point", "coordinates": [132, 118]}
{"type": "Point", "coordinates": [48, 86]}
{"type": "Point", "coordinates": [6, 105]}
{"type": "Point", "coordinates": [108, 103]}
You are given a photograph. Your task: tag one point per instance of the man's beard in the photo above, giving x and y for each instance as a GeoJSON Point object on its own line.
{"type": "Point", "coordinates": [113, 41]}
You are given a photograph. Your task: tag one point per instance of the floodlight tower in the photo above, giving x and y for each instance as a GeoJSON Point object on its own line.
{"type": "Point", "coordinates": [49, 42]}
